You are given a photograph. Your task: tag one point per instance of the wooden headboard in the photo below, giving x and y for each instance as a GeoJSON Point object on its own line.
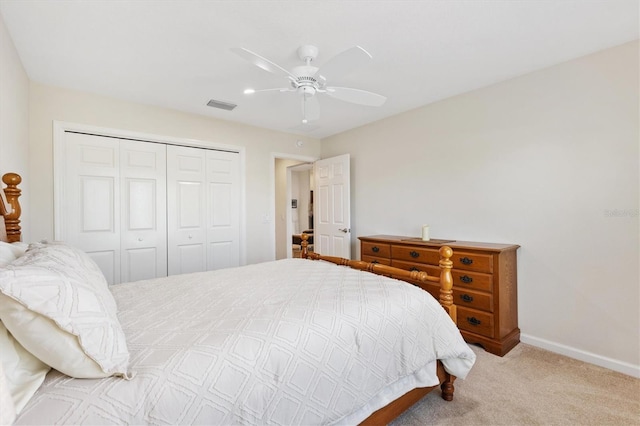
{"type": "Point", "coordinates": [10, 210]}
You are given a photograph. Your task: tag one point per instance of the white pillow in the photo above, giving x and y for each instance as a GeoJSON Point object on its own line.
{"type": "Point", "coordinates": [57, 304]}
{"type": "Point", "coordinates": [23, 373]}
{"type": "Point", "coordinates": [7, 408]}
{"type": "Point", "coordinates": [10, 252]}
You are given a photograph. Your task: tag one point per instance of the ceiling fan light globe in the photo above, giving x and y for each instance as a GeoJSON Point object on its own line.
{"type": "Point", "coordinates": [306, 91]}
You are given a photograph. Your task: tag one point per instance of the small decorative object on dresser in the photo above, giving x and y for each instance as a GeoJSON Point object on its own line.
{"type": "Point", "coordinates": [484, 283]}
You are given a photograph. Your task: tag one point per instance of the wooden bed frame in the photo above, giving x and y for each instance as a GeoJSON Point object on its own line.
{"type": "Point", "coordinates": [394, 409]}
{"type": "Point", "coordinates": [10, 231]}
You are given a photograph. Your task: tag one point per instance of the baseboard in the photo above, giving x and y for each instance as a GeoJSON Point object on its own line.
{"type": "Point", "coordinates": [591, 358]}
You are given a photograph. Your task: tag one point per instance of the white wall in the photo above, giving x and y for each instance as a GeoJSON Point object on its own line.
{"type": "Point", "coordinates": [50, 103]}
{"type": "Point", "coordinates": [549, 161]}
{"type": "Point", "coordinates": [14, 119]}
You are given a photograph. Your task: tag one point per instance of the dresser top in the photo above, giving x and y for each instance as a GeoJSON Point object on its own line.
{"type": "Point", "coordinates": [417, 241]}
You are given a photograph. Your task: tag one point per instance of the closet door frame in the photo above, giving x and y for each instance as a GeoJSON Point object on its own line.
{"type": "Point", "coordinates": [61, 127]}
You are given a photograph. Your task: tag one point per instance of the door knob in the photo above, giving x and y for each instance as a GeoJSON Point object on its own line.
{"type": "Point", "coordinates": [345, 230]}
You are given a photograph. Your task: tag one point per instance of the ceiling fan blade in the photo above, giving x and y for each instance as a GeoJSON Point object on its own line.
{"type": "Point", "coordinates": [356, 96]}
{"type": "Point", "coordinates": [279, 89]}
{"type": "Point", "coordinates": [343, 63]}
{"type": "Point", "coordinates": [310, 108]}
{"type": "Point", "coordinates": [261, 62]}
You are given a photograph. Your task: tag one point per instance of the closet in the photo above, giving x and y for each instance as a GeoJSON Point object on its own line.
{"type": "Point", "coordinates": [144, 209]}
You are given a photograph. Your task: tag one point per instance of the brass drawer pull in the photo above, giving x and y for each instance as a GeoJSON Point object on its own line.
{"type": "Point", "coordinates": [466, 298]}
{"type": "Point", "coordinates": [473, 321]}
{"type": "Point", "coordinates": [414, 254]}
{"type": "Point", "coordinates": [466, 261]}
{"type": "Point", "coordinates": [466, 279]}
{"type": "Point", "coordinates": [375, 249]}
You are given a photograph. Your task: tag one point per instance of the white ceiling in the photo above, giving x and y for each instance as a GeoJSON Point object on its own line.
{"type": "Point", "coordinates": [175, 54]}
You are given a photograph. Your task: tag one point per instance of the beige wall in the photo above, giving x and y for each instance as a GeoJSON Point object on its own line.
{"type": "Point", "coordinates": [49, 103]}
{"type": "Point", "coordinates": [14, 118]}
{"type": "Point", "coordinates": [549, 161]}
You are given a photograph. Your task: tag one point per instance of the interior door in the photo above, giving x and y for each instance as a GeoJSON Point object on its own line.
{"type": "Point", "coordinates": [223, 209]}
{"type": "Point", "coordinates": [186, 202]}
{"type": "Point", "coordinates": [114, 205]}
{"type": "Point", "coordinates": [143, 241]}
{"type": "Point", "coordinates": [332, 201]}
{"type": "Point", "coordinates": [91, 200]}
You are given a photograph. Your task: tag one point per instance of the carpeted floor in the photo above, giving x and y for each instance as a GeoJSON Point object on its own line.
{"type": "Point", "coordinates": [531, 386]}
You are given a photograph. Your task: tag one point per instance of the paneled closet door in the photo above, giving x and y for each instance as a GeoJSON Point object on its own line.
{"type": "Point", "coordinates": [115, 205]}
{"type": "Point", "coordinates": [223, 209]}
{"type": "Point", "coordinates": [91, 219]}
{"type": "Point", "coordinates": [143, 241]}
{"type": "Point", "coordinates": [186, 207]}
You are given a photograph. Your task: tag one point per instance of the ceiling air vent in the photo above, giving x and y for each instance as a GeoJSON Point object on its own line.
{"type": "Point", "coordinates": [222, 105]}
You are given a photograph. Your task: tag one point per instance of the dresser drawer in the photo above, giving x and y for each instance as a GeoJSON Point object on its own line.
{"type": "Point", "coordinates": [415, 254]}
{"type": "Point", "coordinates": [473, 299]}
{"type": "Point", "coordinates": [372, 259]}
{"type": "Point", "coordinates": [475, 321]}
{"type": "Point", "coordinates": [472, 261]}
{"type": "Point", "coordinates": [432, 270]}
{"type": "Point", "coordinates": [472, 280]}
{"type": "Point", "coordinates": [375, 249]}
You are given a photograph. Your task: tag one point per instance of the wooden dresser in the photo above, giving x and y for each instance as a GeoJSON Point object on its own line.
{"type": "Point", "coordinates": [484, 283]}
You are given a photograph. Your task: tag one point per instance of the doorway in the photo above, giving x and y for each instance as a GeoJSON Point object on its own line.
{"type": "Point", "coordinates": [300, 186]}
{"type": "Point", "coordinates": [283, 209]}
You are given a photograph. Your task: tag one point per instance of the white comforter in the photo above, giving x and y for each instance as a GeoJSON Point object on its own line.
{"type": "Point", "coordinates": [287, 342]}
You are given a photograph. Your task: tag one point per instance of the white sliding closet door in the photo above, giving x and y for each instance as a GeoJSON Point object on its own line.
{"type": "Point", "coordinates": [115, 205]}
{"type": "Point", "coordinates": [91, 219]}
{"type": "Point", "coordinates": [203, 209]}
{"type": "Point", "coordinates": [186, 204]}
{"type": "Point", "coordinates": [143, 210]}
{"type": "Point", "coordinates": [223, 210]}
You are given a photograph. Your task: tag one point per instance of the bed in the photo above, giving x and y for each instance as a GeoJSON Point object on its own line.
{"type": "Point", "coordinates": [295, 341]}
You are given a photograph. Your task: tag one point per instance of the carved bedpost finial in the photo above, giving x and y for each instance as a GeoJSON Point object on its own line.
{"type": "Point", "coordinates": [12, 220]}
{"type": "Point", "coordinates": [446, 281]}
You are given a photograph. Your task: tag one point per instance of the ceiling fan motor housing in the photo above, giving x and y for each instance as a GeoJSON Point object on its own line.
{"type": "Point", "coordinates": [305, 81]}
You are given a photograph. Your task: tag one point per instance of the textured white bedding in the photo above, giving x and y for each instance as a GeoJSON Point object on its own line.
{"type": "Point", "coordinates": [287, 342]}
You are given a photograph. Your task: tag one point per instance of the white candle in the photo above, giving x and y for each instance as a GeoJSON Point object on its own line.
{"type": "Point", "coordinates": [425, 233]}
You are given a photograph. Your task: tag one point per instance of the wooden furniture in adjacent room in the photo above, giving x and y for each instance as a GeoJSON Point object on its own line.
{"type": "Point", "coordinates": [484, 283]}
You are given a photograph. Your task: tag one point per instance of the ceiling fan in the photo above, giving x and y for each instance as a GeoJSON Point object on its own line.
{"type": "Point", "coordinates": [308, 80]}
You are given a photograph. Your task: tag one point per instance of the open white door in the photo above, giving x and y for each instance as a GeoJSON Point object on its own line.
{"type": "Point", "coordinates": [332, 224]}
